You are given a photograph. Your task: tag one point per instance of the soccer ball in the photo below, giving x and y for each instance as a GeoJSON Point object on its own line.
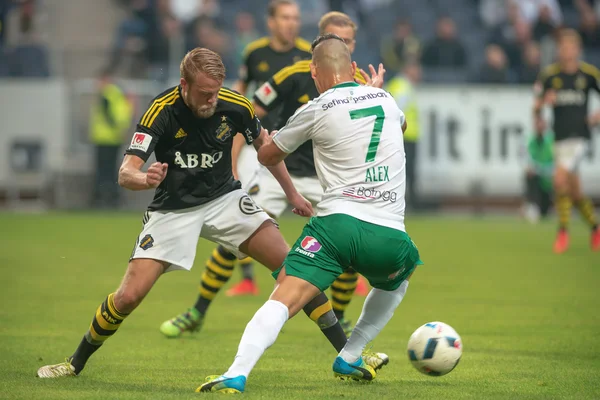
{"type": "Point", "coordinates": [434, 349]}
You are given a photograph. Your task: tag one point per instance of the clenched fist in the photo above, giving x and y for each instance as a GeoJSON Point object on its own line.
{"type": "Point", "coordinates": [156, 174]}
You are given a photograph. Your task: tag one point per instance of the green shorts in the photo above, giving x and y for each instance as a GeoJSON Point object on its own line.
{"type": "Point", "coordinates": [329, 245]}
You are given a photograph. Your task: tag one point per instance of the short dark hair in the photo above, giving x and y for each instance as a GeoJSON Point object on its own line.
{"type": "Point", "coordinates": [274, 5]}
{"type": "Point", "coordinates": [321, 38]}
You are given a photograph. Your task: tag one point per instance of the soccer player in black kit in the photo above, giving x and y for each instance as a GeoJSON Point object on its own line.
{"type": "Point", "coordinates": [190, 128]}
{"type": "Point", "coordinates": [261, 59]}
{"type": "Point", "coordinates": [565, 86]}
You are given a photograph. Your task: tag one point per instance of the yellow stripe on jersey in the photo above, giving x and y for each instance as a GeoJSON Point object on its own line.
{"type": "Point", "coordinates": [156, 104]}
{"type": "Point", "coordinates": [590, 70]}
{"type": "Point", "coordinates": [303, 45]}
{"type": "Point", "coordinates": [299, 67]}
{"type": "Point", "coordinates": [232, 97]}
{"type": "Point", "coordinates": [255, 45]}
{"type": "Point", "coordinates": [359, 78]}
{"type": "Point", "coordinates": [550, 70]}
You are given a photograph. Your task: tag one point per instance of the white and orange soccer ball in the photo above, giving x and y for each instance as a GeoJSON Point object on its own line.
{"type": "Point", "coordinates": [435, 349]}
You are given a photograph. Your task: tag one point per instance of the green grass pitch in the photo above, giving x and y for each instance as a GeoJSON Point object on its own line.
{"type": "Point", "coordinates": [529, 319]}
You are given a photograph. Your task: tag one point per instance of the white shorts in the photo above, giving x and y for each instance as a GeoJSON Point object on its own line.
{"type": "Point", "coordinates": [272, 199]}
{"type": "Point", "coordinates": [569, 153]}
{"type": "Point", "coordinates": [248, 167]}
{"type": "Point", "coordinates": [172, 235]}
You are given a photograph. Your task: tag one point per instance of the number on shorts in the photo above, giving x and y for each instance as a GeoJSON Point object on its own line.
{"type": "Point", "coordinates": [376, 111]}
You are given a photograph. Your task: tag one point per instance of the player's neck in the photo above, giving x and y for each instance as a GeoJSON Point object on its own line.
{"type": "Point", "coordinates": [339, 79]}
{"type": "Point", "coordinates": [280, 46]}
{"type": "Point", "coordinates": [569, 67]}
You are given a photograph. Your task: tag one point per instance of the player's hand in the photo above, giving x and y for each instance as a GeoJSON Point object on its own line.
{"type": "Point", "coordinates": [594, 119]}
{"type": "Point", "coordinates": [376, 78]}
{"type": "Point", "coordinates": [156, 174]}
{"type": "Point", "coordinates": [301, 206]}
{"type": "Point", "coordinates": [550, 97]}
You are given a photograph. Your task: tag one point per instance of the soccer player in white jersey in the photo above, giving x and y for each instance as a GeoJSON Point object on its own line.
{"type": "Point", "coordinates": [359, 156]}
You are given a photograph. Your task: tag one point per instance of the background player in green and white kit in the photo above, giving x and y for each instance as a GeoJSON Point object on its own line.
{"type": "Point", "coordinates": [539, 172]}
{"type": "Point", "coordinates": [359, 155]}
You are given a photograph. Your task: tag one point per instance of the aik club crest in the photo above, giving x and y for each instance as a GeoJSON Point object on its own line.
{"type": "Point", "coordinates": [223, 131]}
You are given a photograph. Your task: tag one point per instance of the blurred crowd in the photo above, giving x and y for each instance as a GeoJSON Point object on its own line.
{"type": "Point", "coordinates": [484, 41]}
{"type": "Point", "coordinates": [24, 55]}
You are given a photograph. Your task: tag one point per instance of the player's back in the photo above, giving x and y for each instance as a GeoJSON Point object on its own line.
{"type": "Point", "coordinates": [359, 154]}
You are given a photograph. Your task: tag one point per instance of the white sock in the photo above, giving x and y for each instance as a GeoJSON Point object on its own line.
{"type": "Point", "coordinates": [378, 309]}
{"type": "Point", "coordinates": [260, 334]}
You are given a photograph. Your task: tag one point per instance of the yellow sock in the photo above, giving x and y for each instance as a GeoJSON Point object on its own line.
{"type": "Point", "coordinates": [342, 291]}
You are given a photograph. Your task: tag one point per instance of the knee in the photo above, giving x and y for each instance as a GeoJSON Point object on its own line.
{"type": "Point", "coordinates": [126, 300]}
{"type": "Point", "coordinates": [561, 182]}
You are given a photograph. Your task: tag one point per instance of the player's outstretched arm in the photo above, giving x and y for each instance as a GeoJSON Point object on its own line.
{"type": "Point", "coordinates": [266, 149]}
{"type": "Point", "coordinates": [131, 176]}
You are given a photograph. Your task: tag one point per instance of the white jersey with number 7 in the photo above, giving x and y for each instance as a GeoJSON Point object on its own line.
{"type": "Point", "coordinates": [358, 149]}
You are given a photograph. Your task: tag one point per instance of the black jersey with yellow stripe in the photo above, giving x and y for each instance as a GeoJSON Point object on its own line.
{"type": "Point", "coordinates": [261, 61]}
{"type": "Point", "coordinates": [289, 89]}
{"type": "Point", "coordinates": [571, 98]}
{"type": "Point", "coordinates": [198, 150]}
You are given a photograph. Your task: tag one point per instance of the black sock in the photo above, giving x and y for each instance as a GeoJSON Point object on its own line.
{"type": "Point", "coordinates": [319, 310]}
{"type": "Point", "coordinates": [247, 268]}
{"type": "Point", "coordinates": [82, 354]}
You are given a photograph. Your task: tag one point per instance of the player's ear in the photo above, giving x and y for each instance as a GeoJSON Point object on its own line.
{"type": "Point", "coordinates": [353, 67]}
{"type": "Point", "coordinates": [183, 83]}
{"type": "Point", "coordinates": [313, 70]}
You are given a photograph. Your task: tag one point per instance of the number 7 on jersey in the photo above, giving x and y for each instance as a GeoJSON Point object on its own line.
{"type": "Point", "coordinates": [376, 111]}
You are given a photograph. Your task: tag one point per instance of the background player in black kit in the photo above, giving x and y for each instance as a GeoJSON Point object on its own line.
{"type": "Point", "coordinates": [262, 58]}
{"type": "Point", "coordinates": [565, 86]}
{"type": "Point", "coordinates": [190, 128]}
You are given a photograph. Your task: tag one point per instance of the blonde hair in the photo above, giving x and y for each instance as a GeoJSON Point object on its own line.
{"type": "Point", "coordinates": [569, 34]}
{"type": "Point", "coordinates": [336, 18]}
{"type": "Point", "coordinates": [202, 60]}
{"type": "Point", "coordinates": [274, 6]}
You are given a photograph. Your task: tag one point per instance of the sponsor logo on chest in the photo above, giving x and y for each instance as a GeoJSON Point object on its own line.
{"type": "Point", "coordinates": [202, 160]}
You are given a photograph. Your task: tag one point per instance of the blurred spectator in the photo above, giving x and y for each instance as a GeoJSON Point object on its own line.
{"type": "Point", "coordinates": [529, 70]}
{"type": "Point", "coordinates": [545, 25]}
{"type": "Point", "coordinates": [588, 22]}
{"type": "Point", "coordinates": [111, 116]}
{"type": "Point", "coordinates": [245, 32]}
{"type": "Point", "coordinates": [129, 42]}
{"type": "Point", "coordinates": [163, 29]}
{"type": "Point", "coordinates": [186, 10]}
{"type": "Point", "coordinates": [29, 57]}
{"type": "Point", "coordinates": [4, 7]}
{"type": "Point", "coordinates": [402, 87]}
{"type": "Point", "coordinates": [349, 7]}
{"type": "Point", "coordinates": [445, 50]}
{"type": "Point", "coordinates": [208, 35]}
{"type": "Point", "coordinates": [495, 67]}
{"type": "Point", "coordinates": [493, 12]}
{"type": "Point", "coordinates": [512, 35]}
{"type": "Point", "coordinates": [402, 46]}
{"type": "Point", "coordinates": [530, 10]}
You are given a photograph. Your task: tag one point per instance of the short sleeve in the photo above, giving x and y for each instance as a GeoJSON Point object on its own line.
{"type": "Point", "coordinates": [147, 133]}
{"type": "Point", "coordinates": [595, 79]}
{"type": "Point", "coordinates": [252, 128]}
{"type": "Point", "coordinates": [273, 92]}
{"type": "Point", "coordinates": [297, 130]}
